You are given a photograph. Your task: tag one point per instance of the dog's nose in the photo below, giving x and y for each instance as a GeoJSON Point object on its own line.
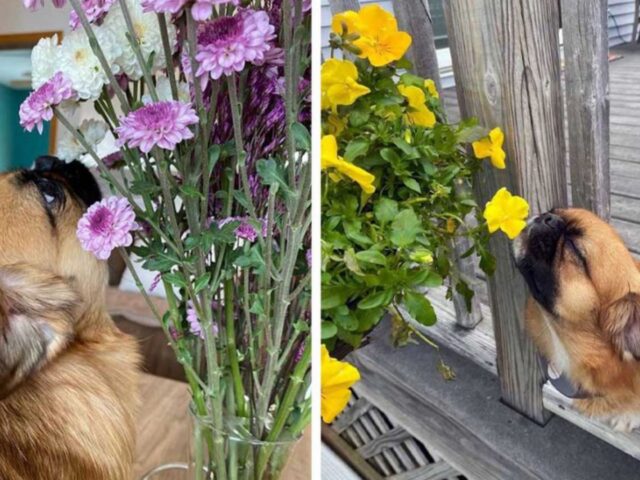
{"type": "Point", "coordinates": [549, 220]}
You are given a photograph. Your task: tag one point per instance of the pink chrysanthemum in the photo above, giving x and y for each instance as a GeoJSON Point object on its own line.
{"type": "Point", "coordinates": [245, 230]}
{"type": "Point", "coordinates": [34, 5]}
{"type": "Point", "coordinates": [203, 9]}
{"type": "Point", "coordinates": [163, 6]}
{"type": "Point", "coordinates": [38, 107]}
{"type": "Point", "coordinates": [162, 124]}
{"type": "Point", "coordinates": [94, 10]}
{"type": "Point", "coordinates": [107, 225]}
{"type": "Point", "coordinates": [227, 43]}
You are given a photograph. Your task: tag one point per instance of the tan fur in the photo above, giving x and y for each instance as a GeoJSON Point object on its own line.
{"type": "Point", "coordinates": [68, 376]}
{"type": "Point", "coordinates": [597, 321]}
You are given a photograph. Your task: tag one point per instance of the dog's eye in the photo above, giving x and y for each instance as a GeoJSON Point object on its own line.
{"type": "Point", "coordinates": [577, 252]}
{"type": "Point", "coordinates": [51, 192]}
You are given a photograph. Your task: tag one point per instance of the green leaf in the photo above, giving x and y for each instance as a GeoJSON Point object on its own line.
{"type": "Point", "coordinates": [350, 260]}
{"type": "Point", "coordinates": [410, 79]}
{"type": "Point", "coordinates": [328, 330]}
{"type": "Point", "coordinates": [202, 282]}
{"type": "Point", "coordinates": [347, 322]}
{"type": "Point", "coordinates": [176, 279]}
{"type": "Point", "coordinates": [356, 148]}
{"type": "Point", "coordinates": [376, 299]}
{"type": "Point", "coordinates": [471, 134]}
{"type": "Point", "coordinates": [358, 118]}
{"type": "Point", "coordinates": [385, 210]}
{"type": "Point", "coordinates": [333, 296]}
{"type": "Point", "coordinates": [406, 148]}
{"type": "Point", "coordinates": [463, 289]}
{"type": "Point", "coordinates": [405, 228]}
{"type": "Point", "coordinates": [191, 191]}
{"type": "Point", "coordinates": [272, 174]}
{"type": "Point", "coordinates": [372, 256]}
{"type": "Point", "coordinates": [420, 308]}
{"type": "Point", "coordinates": [214, 156]}
{"type": "Point", "coordinates": [301, 136]}
{"type": "Point", "coordinates": [251, 259]}
{"type": "Point", "coordinates": [412, 184]}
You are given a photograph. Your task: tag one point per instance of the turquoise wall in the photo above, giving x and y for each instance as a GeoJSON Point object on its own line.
{"type": "Point", "coordinates": [17, 147]}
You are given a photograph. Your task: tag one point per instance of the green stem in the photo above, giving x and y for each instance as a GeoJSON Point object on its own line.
{"type": "Point", "coordinates": [232, 351]}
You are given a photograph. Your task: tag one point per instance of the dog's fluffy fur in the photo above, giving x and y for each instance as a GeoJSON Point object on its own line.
{"type": "Point", "coordinates": [584, 309]}
{"type": "Point", "coordinates": [68, 376]}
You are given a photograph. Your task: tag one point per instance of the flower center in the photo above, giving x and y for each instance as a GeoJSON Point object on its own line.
{"type": "Point", "coordinates": [101, 221]}
{"type": "Point", "coordinates": [221, 29]}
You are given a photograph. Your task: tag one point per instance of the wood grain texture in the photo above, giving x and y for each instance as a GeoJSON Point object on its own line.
{"type": "Point", "coordinates": [164, 431]}
{"type": "Point", "coordinates": [338, 6]}
{"type": "Point", "coordinates": [434, 471]}
{"type": "Point", "coordinates": [586, 73]}
{"type": "Point", "coordinates": [506, 63]}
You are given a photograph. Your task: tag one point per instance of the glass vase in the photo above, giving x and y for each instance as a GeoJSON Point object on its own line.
{"type": "Point", "coordinates": [231, 452]}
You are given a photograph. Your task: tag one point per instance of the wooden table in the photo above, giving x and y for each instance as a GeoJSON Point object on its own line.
{"type": "Point", "coordinates": [163, 431]}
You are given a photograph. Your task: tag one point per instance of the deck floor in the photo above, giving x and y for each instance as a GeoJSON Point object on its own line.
{"type": "Point", "coordinates": [624, 152]}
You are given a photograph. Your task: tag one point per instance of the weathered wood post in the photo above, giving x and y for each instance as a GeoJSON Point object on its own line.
{"type": "Point", "coordinates": [507, 70]}
{"type": "Point", "coordinates": [414, 17]}
{"type": "Point", "coordinates": [338, 6]}
{"type": "Point", "coordinates": [586, 73]}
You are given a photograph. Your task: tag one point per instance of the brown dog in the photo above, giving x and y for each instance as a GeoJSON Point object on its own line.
{"type": "Point", "coordinates": [584, 309]}
{"type": "Point", "coordinates": [68, 377]}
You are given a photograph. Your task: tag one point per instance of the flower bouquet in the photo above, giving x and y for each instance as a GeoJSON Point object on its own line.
{"type": "Point", "coordinates": [396, 185]}
{"type": "Point", "coordinates": [207, 105]}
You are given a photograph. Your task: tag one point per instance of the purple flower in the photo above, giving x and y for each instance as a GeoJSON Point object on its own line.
{"type": "Point", "coordinates": [34, 5]}
{"type": "Point", "coordinates": [95, 10]}
{"type": "Point", "coordinates": [163, 6]}
{"type": "Point", "coordinates": [107, 225]}
{"type": "Point", "coordinates": [162, 124]}
{"type": "Point", "coordinates": [38, 107]}
{"type": "Point", "coordinates": [245, 230]}
{"type": "Point", "coordinates": [155, 282]}
{"type": "Point", "coordinates": [308, 256]}
{"type": "Point", "coordinates": [195, 326]}
{"type": "Point", "coordinates": [203, 9]}
{"type": "Point", "coordinates": [113, 160]}
{"type": "Point", "coordinates": [227, 43]}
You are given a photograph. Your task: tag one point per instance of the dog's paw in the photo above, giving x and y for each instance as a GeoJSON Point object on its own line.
{"type": "Point", "coordinates": [625, 422]}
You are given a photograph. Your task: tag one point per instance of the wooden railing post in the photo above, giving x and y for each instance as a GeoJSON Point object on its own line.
{"type": "Point", "coordinates": [414, 17]}
{"type": "Point", "coordinates": [586, 73]}
{"type": "Point", "coordinates": [338, 6]}
{"type": "Point", "coordinates": [507, 71]}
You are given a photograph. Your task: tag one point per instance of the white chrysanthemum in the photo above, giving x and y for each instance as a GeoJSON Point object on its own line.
{"type": "Point", "coordinates": [82, 67]}
{"type": "Point", "coordinates": [69, 148]}
{"type": "Point", "coordinates": [147, 33]}
{"type": "Point", "coordinates": [163, 89]}
{"type": "Point", "coordinates": [45, 61]}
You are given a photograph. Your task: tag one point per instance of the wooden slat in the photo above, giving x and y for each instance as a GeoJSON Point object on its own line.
{"type": "Point", "coordinates": [435, 471]}
{"type": "Point", "coordinates": [586, 74]}
{"type": "Point", "coordinates": [385, 441]}
{"type": "Point", "coordinates": [355, 411]}
{"type": "Point", "coordinates": [521, 92]}
{"type": "Point", "coordinates": [348, 454]}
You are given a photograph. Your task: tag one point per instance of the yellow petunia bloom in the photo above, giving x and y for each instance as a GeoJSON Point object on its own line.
{"type": "Point", "coordinates": [380, 41]}
{"type": "Point", "coordinates": [491, 147]}
{"type": "Point", "coordinates": [506, 212]}
{"type": "Point", "coordinates": [419, 114]}
{"type": "Point", "coordinates": [339, 84]}
{"type": "Point", "coordinates": [336, 378]}
{"type": "Point", "coordinates": [329, 159]}
{"type": "Point", "coordinates": [430, 85]}
{"type": "Point", "coordinates": [345, 21]}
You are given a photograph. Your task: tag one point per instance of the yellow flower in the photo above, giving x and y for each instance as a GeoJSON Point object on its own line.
{"type": "Point", "coordinates": [451, 225]}
{"type": "Point", "coordinates": [339, 83]}
{"type": "Point", "coordinates": [491, 146]}
{"type": "Point", "coordinates": [329, 159]}
{"type": "Point", "coordinates": [336, 379]}
{"type": "Point", "coordinates": [422, 255]}
{"type": "Point", "coordinates": [380, 41]}
{"type": "Point", "coordinates": [506, 212]}
{"type": "Point", "coordinates": [345, 21]}
{"type": "Point", "coordinates": [430, 85]}
{"type": "Point", "coordinates": [418, 114]}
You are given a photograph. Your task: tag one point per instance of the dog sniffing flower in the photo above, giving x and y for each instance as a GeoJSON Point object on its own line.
{"type": "Point", "coordinates": [336, 379]}
{"type": "Point", "coordinates": [226, 44]}
{"type": "Point", "coordinates": [339, 84]}
{"type": "Point", "coordinates": [162, 124]}
{"type": "Point", "coordinates": [506, 212]}
{"type": "Point", "coordinates": [491, 146]}
{"type": "Point", "coordinates": [107, 225]}
{"type": "Point", "coordinates": [418, 113]}
{"type": "Point", "coordinates": [94, 10]}
{"type": "Point", "coordinates": [38, 107]}
{"type": "Point", "coordinates": [203, 9]}
{"type": "Point", "coordinates": [330, 159]}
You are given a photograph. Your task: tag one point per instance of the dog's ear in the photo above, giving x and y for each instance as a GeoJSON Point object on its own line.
{"type": "Point", "coordinates": [36, 322]}
{"type": "Point", "coordinates": [621, 322]}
